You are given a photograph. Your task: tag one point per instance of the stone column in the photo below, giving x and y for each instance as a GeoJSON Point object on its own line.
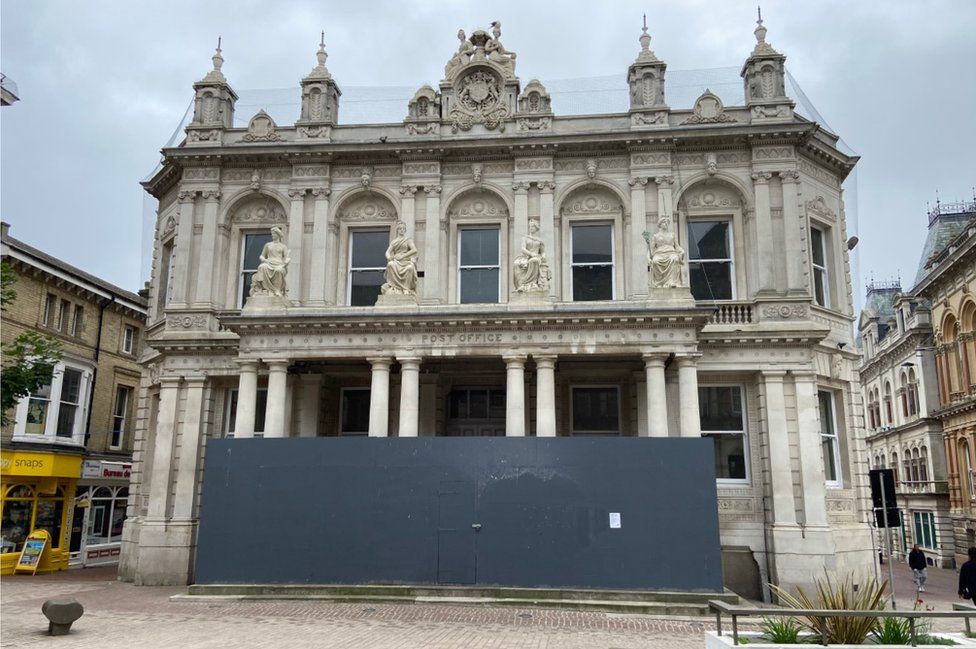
{"type": "Point", "coordinates": [379, 397]}
{"type": "Point", "coordinates": [309, 413]}
{"type": "Point", "coordinates": [545, 395]}
{"type": "Point", "coordinates": [520, 221]}
{"type": "Point", "coordinates": [665, 199]}
{"type": "Point", "coordinates": [407, 213]}
{"type": "Point", "coordinates": [764, 231]}
{"type": "Point", "coordinates": [166, 420]}
{"type": "Point", "coordinates": [322, 258]}
{"type": "Point", "coordinates": [433, 253]}
{"type": "Point", "coordinates": [274, 419]}
{"type": "Point", "coordinates": [637, 268]}
{"type": "Point", "coordinates": [247, 397]}
{"type": "Point", "coordinates": [547, 232]}
{"type": "Point", "coordinates": [182, 251]}
{"type": "Point", "coordinates": [207, 257]}
{"type": "Point", "coordinates": [296, 233]}
{"type": "Point", "coordinates": [793, 226]}
{"type": "Point", "coordinates": [781, 473]}
{"type": "Point", "coordinates": [688, 413]}
{"type": "Point", "coordinates": [811, 450]}
{"type": "Point", "coordinates": [409, 395]}
{"type": "Point", "coordinates": [190, 435]}
{"type": "Point", "coordinates": [657, 396]}
{"type": "Point", "coordinates": [515, 395]}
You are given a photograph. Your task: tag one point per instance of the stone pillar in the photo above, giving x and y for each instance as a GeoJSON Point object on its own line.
{"type": "Point", "coordinates": [379, 397]}
{"type": "Point", "coordinates": [520, 221]}
{"type": "Point", "coordinates": [207, 257]}
{"type": "Point", "coordinates": [433, 253]}
{"type": "Point", "coordinates": [547, 232]}
{"type": "Point", "coordinates": [515, 395]}
{"type": "Point", "coordinates": [793, 226]}
{"type": "Point", "coordinates": [764, 231]}
{"type": "Point", "coordinates": [308, 415]}
{"type": "Point", "coordinates": [407, 213]}
{"type": "Point", "coordinates": [637, 268]}
{"type": "Point", "coordinates": [182, 251]}
{"type": "Point", "coordinates": [296, 233]}
{"type": "Point", "coordinates": [274, 419]}
{"type": "Point", "coordinates": [811, 450]}
{"type": "Point", "coordinates": [247, 397]}
{"type": "Point", "coordinates": [409, 395]}
{"type": "Point", "coordinates": [657, 396]}
{"type": "Point", "coordinates": [545, 395]}
{"type": "Point", "coordinates": [190, 436]}
{"type": "Point", "coordinates": [166, 420]}
{"type": "Point", "coordinates": [322, 258]}
{"type": "Point", "coordinates": [688, 412]}
{"type": "Point", "coordinates": [781, 473]}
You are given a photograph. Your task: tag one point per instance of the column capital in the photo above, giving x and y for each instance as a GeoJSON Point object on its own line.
{"type": "Point", "coordinates": [789, 176]}
{"type": "Point", "coordinates": [277, 364]}
{"type": "Point", "coordinates": [773, 375]}
{"type": "Point", "coordinates": [408, 191]}
{"type": "Point", "coordinates": [186, 196]}
{"type": "Point", "coordinates": [664, 181]}
{"type": "Point", "coordinates": [248, 363]}
{"type": "Point", "coordinates": [687, 358]}
{"type": "Point", "coordinates": [546, 186]}
{"type": "Point", "coordinates": [211, 196]}
{"type": "Point", "coordinates": [409, 361]}
{"type": "Point", "coordinates": [652, 359]}
{"type": "Point", "coordinates": [544, 361]}
{"type": "Point", "coordinates": [804, 375]}
{"type": "Point", "coordinates": [169, 381]}
{"type": "Point", "coordinates": [380, 362]}
{"type": "Point", "coordinates": [761, 177]}
{"type": "Point", "coordinates": [432, 190]}
{"type": "Point", "coordinates": [297, 193]}
{"type": "Point", "coordinates": [321, 192]}
{"type": "Point", "coordinates": [638, 181]}
{"type": "Point", "coordinates": [514, 360]}
{"type": "Point", "coordinates": [520, 187]}
{"type": "Point", "coordinates": [195, 380]}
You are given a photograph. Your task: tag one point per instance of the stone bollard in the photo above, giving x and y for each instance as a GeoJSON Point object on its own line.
{"type": "Point", "coordinates": [61, 613]}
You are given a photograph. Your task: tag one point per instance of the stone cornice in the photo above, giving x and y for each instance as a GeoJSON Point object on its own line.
{"type": "Point", "coordinates": [911, 341]}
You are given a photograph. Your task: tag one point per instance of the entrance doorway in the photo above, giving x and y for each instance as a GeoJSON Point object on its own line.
{"type": "Point", "coordinates": [476, 412]}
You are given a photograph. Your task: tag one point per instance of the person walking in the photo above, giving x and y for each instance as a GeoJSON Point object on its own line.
{"type": "Point", "coordinates": [916, 561]}
{"type": "Point", "coordinates": [967, 577]}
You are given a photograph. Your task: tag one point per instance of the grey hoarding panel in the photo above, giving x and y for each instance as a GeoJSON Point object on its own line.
{"type": "Point", "coordinates": [492, 511]}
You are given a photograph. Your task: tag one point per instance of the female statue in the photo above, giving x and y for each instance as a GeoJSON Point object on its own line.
{"type": "Point", "coordinates": [531, 271]}
{"type": "Point", "coordinates": [401, 266]}
{"type": "Point", "coordinates": [270, 276]}
{"type": "Point", "coordinates": [666, 258]}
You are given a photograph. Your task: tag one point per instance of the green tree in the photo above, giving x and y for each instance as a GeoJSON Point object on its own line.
{"type": "Point", "coordinates": [28, 361]}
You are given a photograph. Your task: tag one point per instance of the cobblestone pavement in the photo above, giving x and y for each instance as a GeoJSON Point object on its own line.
{"type": "Point", "coordinates": [122, 615]}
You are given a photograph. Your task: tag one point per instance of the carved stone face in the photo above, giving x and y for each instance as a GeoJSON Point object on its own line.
{"type": "Point", "coordinates": [401, 229]}
{"type": "Point", "coordinates": [533, 227]}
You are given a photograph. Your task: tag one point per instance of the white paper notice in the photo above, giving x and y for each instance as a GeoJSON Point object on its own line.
{"type": "Point", "coordinates": [615, 520]}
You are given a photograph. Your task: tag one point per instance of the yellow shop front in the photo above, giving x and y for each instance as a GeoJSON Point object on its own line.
{"type": "Point", "coordinates": [37, 490]}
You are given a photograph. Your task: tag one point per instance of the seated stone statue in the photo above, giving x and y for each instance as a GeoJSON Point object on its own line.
{"type": "Point", "coordinates": [401, 266]}
{"type": "Point", "coordinates": [461, 57]}
{"type": "Point", "coordinates": [530, 270]}
{"type": "Point", "coordinates": [666, 258]}
{"type": "Point", "coordinates": [269, 279]}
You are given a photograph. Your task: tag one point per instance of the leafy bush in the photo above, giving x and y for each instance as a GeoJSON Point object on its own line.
{"type": "Point", "coordinates": [869, 596]}
{"type": "Point", "coordinates": [782, 630]}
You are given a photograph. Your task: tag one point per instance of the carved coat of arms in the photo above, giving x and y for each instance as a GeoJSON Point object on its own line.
{"type": "Point", "coordinates": [478, 101]}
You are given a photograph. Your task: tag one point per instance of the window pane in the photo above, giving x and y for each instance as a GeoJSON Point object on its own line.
{"type": "Point", "coordinates": [253, 245]}
{"type": "Point", "coordinates": [592, 283]}
{"type": "Point", "coordinates": [369, 249]}
{"type": "Point", "coordinates": [592, 244]}
{"type": "Point", "coordinates": [355, 412]}
{"type": "Point", "coordinates": [816, 243]}
{"type": "Point", "coordinates": [595, 410]}
{"type": "Point", "coordinates": [730, 456]}
{"type": "Point", "coordinates": [459, 404]}
{"type": "Point", "coordinates": [70, 386]}
{"type": "Point", "coordinates": [118, 518]}
{"type": "Point", "coordinates": [66, 420]}
{"type": "Point", "coordinates": [16, 525]}
{"type": "Point", "coordinates": [818, 287]}
{"type": "Point", "coordinates": [496, 404]}
{"type": "Point", "coordinates": [830, 462]}
{"type": "Point", "coordinates": [720, 408]}
{"type": "Point", "coordinates": [260, 407]}
{"type": "Point", "coordinates": [479, 247]}
{"type": "Point", "coordinates": [478, 404]}
{"type": "Point", "coordinates": [479, 285]}
{"type": "Point", "coordinates": [711, 280]}
{"type": "Point", "coordinates": [365, 287]}
{"type": "Point", "coordinates": [48, 517]}
{"type": "Point", "coordinates": [37, 408]}
{"type": "Point", "coordinates": [708, 240]}
{"type": "Point", "coordinates": [826, 413]}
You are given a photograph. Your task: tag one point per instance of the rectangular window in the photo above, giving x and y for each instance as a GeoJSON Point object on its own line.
{"type": "Point", "coordinates": [76, 324]}
{"type": "Point", "coordinates": [723, 419]}
{"type": "Point", "coordinates": [478, 265]}
{"type": "Point", "coordinates": [592, 262]}
{"type": "Point", "coordinates": [260, 408]}
{"type": "Point", "coordinates": [50, 306]}
{"type": "Point", "coordinates": [924, 529]}
{"type": "Point", "coordinates": [120, 415]}
{"type": "Point", "coordinates": [64, 314]}
{"type": "Point", "coordinates": [38, 407]}
{"type": "Point", "coordinates": [70, 402]}
{"type": "Point", "coordinates": [253, 244]}
{"type": "Point", "coordinates": [596, 410]}
{"type": "Point", "coordinates": [367, 263]}
{"type": "Point", "coordinates": [710, 263]}
{"type": "Point", "coordinates": [354, 419]}
{"type": "Point", "coordinates": [129, 339]}
{"type": "Point", "coordinates": [821, 292]}
{"type": "Point", "coordinates": [828, 438]}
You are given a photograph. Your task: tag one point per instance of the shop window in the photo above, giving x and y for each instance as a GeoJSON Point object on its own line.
{"type": "Point", "coordinates": [478, 265]}
{"type": "Point", "coordinates": [710, 264]}
{"type": "Point", "coordinates": [592, 262]}
{"type": "Point", "coordinates": [723, 419]}
{"type": "Point", "coordinates": [595, 410]}
{"type": "Point", "coordinates": [18, 504]}
{"type": "Point", "coordinates": [828, 438]}
{"type": "Point", "coordinates": [106, 515]}
{"type": "Point", "coordinates": [252, 245]}
{"type": "Point", "coordinates": [260, 408]}
{"type": "Point", "coordinates": [78, 321]}
{"type": "Point", "coordinates": [924, 529]}
{"type": "Point", "coordinates": [120, 415]}
{"type": "Point", "coordinates": [354, 415]}
{"type": "Point", "coordinates": [818, 253]}
{"type": "Point", "coordinates": [367, 264]}
{"type": "Point", "coordinates": [129, 338]}
{"type": "Point", "coordinates": [50, 307]}
{"type": "Point", "coordinates": [48, 516]}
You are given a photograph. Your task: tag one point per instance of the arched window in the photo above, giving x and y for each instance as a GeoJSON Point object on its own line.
{"type": "Point", "coordinates": [903, 393]}
{"type": "Point", "coordinates": [923, 466]}
{"type": "Point", "coordinates": [894, 466]}
{"type": "Point", "coordinates": [889, 413]}
{"type": "Point", "coordinates": [916, 475]}
{"type": "Point", "coordinates": [912, 393]}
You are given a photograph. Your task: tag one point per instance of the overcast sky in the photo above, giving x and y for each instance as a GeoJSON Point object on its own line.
{"type": "Point", "coordinates": [104, 84]}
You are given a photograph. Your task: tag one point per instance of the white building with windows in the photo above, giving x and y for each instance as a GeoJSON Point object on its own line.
{"type": "Point", "coordinates": [483, 172]}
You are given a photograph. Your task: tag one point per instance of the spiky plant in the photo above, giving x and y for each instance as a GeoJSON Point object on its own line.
{"type": "Point", "coordinates": [781, 630]}
{"type": "Point", "coordinates": [843, 596]}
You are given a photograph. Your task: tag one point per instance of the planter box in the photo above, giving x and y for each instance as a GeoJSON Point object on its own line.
{"type": "Point", "coordinates": [715, 641]}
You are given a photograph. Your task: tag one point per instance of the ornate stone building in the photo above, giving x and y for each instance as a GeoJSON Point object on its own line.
{"type": "Point", "coordinates": [487, 266]}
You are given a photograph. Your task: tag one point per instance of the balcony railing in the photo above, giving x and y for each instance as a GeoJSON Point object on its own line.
{"type": "Point", "coordinates": [923, 486]}
{"type": "Point", "coordinates": [732, 313]}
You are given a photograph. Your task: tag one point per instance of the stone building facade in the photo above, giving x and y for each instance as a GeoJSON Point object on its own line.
{"type": "Point", "coordinates": [660, 271]}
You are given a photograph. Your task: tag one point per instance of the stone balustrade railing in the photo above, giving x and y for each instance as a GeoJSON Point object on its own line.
{"type": "Point", "coordinates": [732, 313]}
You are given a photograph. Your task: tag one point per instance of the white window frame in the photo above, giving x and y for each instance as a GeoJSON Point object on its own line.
{"type": "Point", "coordinates": [229, 421]}
{"type": "Point", "coordinates": [747, 457]}
{"type": "Point", "coordinates": [818, 268]}
{"type": "Point", "coordinates": [839, 482]}
{"type": "Point", "coordinates": [240, 265]}
{"type": "Point", "coordinates": [595, 433]}
{"type": "Point", "coordinates": [53, 409]}
{"type": "Point", "coordinates": [583, 223]}
{"type": "Point", "coordinates": [730, 243]}
{"type": "Point", "coordinates": [115, 416]}
{"type": "Point", "coordinates": [50, 306]}
{"type": "Point", "coordinates": [342, 410]}
{"type": "Point", "coordinates": [498, 266]}
{"type": "Point", "coordinates": [349, 267]}
{"type": "Point", "coordinates": [128, 339]}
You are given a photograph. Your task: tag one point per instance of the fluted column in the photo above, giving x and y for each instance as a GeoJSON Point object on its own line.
{"type": "Point", "coordinates": [247, 397]}
{"type": "Point", "coordinates": [793, 225]}
{"type": "Point", "coordinates": [547, 231]}
{"type": "Point", "coordinates": [407, 211]}
{"type": "Point", "coordinates": [274, 422]}
{"type": "Point", "coordinates": [637, 266]}
{"type": "Point", "coordinates": [520, 220]}
{"type": "Point", "coordinates": [207, 256]}
{"type": "Point", "coordinates": [545, 395]}
{"type": "Point", "coordinates": [182, 251]}
{"type": "Point", "coordinates": [764, 231]}
{"type": "Point", "coordinates": [688, 412]}
{"type": "Point", "coordinates": [166, 420]}
{"type": "Point", "coordinates": [515, 395]}
{"type": "Point", "coordinates": [190, 434]}
{"type": "Point", "coordinates": [433, 252]}
{"type": "Point", "coordinates": [296, 233]}
{"type": "Point", "coordinates": [657, 397]}
{"type": "Point", "coordinates": [780, 465]}
{"type": "Point", "coordinates": [379, 397]}
{"type": "Point", "coordinates": [409, 395]}
{"type": "Point", "coordinates": [811, 450]}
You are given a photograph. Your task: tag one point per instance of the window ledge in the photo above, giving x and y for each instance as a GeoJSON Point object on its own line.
{"type": "Point", "coordinates": [50, 440]}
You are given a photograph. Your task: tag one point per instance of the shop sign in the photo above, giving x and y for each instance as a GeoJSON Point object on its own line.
{"type": "Point", "coordinates": [24, 463]}
{"type": "Point", "coordinates": [108, 470]}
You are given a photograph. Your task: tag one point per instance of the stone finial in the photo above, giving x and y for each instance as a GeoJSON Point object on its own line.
{"type": "Point", "coordinates": [762, 47]}
{"type": "Point", "coordinates": [645, 40]}
{"type": "Point", "coordinates": [216, 75]}
{"type": "Point", "coordinates": [320, 71]}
